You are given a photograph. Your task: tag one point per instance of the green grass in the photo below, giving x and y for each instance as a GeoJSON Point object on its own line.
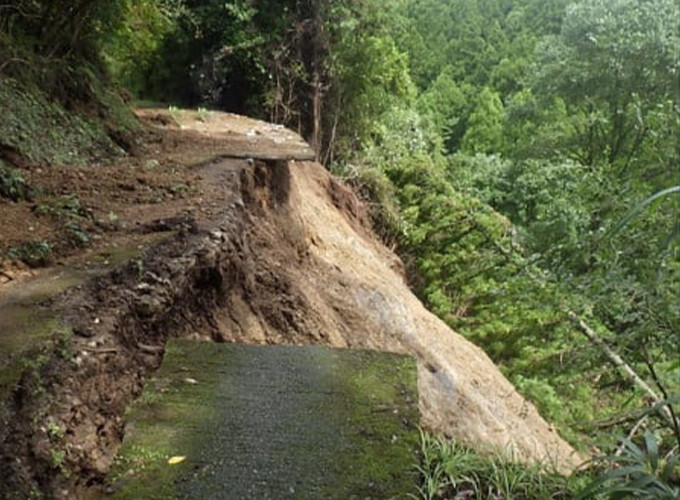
{"type": "Point", "coordinates": [452, 471]}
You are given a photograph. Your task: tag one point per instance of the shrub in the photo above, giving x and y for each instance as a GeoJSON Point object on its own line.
{"type": "Point", "coordinates": [32, 253]}
{"type": "Point", "coordinates": [13, 185]}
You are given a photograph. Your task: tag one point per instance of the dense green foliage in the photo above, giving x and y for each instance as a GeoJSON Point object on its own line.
{"type": "Point", "coordinates": [509, 149]}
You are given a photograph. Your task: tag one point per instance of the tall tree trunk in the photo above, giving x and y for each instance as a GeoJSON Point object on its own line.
{"type": "Point", "coordinates": [315, 139]}
{"type": "Point", "coordinates": [317, 49]}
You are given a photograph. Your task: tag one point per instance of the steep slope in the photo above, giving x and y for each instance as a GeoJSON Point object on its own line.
{"type": "Point", "coordinates": [346, 289]}
{"type": "Point", "coordinates": [274, 251]}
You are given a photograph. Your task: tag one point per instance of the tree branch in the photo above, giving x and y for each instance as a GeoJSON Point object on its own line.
{"type": "Point", "coordinates": [623, 366]}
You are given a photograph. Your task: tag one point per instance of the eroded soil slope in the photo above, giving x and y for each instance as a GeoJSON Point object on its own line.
{"type": "Point", "coordinates": [272, 250]}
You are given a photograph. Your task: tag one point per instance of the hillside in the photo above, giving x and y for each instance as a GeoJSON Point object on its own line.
{"type": "Point", "coordinates": [510, 166]}
{"type": "Point", "coordinates": [268, 248]}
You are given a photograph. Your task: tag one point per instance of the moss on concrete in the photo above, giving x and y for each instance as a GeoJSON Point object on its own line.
{"type": "Point", "coordinates": [272, 422]}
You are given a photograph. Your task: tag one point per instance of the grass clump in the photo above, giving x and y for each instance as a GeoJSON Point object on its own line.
{"type": "Point", "coordinates": [450, 470]}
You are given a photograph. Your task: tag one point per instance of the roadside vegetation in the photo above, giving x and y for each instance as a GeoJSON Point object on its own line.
{"type": "Point", "coordinates": [520, 155]}
{"type": "Point", "coordinates": [453, 471]}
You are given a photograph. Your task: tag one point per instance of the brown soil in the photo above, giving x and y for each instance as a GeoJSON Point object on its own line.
{"type": "Point", "coordinates": [161, 181]}
{"type": "Point", "coordinates": [268, 249]}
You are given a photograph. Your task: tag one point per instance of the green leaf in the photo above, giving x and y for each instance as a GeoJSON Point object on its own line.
{"type": "Point", "coordinates": [670, 466]}
{"type": "Point", "coordinates": [652, 450]}
{"type": "Point", "coordinates": [639, 208]}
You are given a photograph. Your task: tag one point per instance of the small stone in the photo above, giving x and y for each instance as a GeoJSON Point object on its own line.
{"type": "Point", "coordinates": [149, 306]}
{"type": "Point", "coordinates": [79, 332]}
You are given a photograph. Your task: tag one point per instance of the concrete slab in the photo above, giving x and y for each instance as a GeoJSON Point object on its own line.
{"type": "Point", "coordinates": [272, 422]}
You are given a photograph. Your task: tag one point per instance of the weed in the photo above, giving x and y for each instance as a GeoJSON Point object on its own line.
{"type": "Point", "coordinates": [77, 235]}
{"type": "Point", "coordinates": [178, 188]}
{"type": "Point", "coordinates": [203, 114]}
{"type": "Point", "coordinates": [33, 253]}
{"type": "Point", "coordinates": [174, 111]}
{"type": "Point", "coordinates": [63, 207]}
{"type": "Point", "coordinates": [63, 344]}
{"type": "Point", "coordinates": [35, 494]}
{"type": "Point", "coordinates": [58, 458]}
{"type": "Point", "coordinates": [13, 185]}
{"type": "Point", "coordinates": [138, 267]}
{"type": "Point", "coordinates": [152, 164]}
{"type": "Point", "coordinates": [55, 432]}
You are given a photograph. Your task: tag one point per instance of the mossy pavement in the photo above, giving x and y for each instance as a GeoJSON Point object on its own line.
{"type": "Point", "coordinates": [272, 422]}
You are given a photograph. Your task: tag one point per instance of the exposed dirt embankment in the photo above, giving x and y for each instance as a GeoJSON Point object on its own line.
{"type": "Point", "coordinates": [284, 255]}
{"type": "Point", "coordinates": [321, 276]}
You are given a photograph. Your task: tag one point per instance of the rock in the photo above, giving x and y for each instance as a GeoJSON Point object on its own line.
{"type": "Point", "coordinates": [149, 306]}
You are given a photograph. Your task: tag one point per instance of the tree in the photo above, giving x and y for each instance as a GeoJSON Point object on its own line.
{"type": "Point", "coordinates": [484, 133]}
{"type": "Point", "coordinates": [446, 105]}
{"type": "Point", "coordinates": [614, 63]}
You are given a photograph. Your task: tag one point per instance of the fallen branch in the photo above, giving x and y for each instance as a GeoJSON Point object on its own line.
{"type": "Point", "coordinates": [631, 435]}
{"type": "Point", "coordinates": [623, 366]}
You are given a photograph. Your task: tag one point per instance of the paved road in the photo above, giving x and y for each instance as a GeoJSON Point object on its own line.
{"type": "Point", "coordinates": [273, 422]}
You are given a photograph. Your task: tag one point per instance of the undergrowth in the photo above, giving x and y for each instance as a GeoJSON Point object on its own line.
{"type": "Point", "coordinates": [13, 185]}
{"type": "Point", "coordinates": [636, 468]}
{"type": "Point", "coordinates": [77, 221]}
{"type": "Point", "coordinates": [33, 253]}
{"type": "Point", "coordinates": [43, 131]}
{"type": "Point", "coordinates": [450, 470]}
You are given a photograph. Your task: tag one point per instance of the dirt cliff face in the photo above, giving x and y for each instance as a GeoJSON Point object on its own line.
{"type": "Point", "coordinates": [333, 282]}
{"type": "Point", "coordinates": [277, 252]}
